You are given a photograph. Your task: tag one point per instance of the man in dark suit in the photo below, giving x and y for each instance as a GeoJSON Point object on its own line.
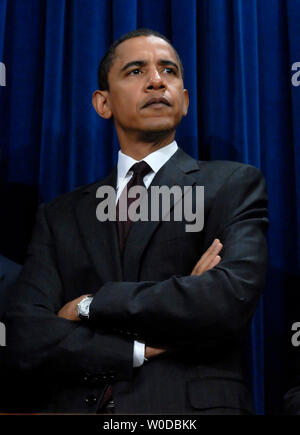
{"type": "Point", "coordinates": [146, 318]}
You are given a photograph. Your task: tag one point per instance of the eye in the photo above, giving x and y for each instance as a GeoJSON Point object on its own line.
{"type": "Point", "coordinates": [170, 70]}
{"type": "Point", "coordinates": [135, 71]}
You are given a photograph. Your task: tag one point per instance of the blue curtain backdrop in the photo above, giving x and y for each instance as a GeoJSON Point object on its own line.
{"type": "Point", "coordinates": [238, 57]}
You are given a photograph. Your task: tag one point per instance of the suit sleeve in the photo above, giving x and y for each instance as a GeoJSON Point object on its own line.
{"type": "Point", "coordinates": [205, 310]}
{"type": "Point", "coordinates": [37, 339]}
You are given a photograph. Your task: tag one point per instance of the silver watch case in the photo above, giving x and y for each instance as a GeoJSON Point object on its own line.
{"type": "Point", "coordinates": [83, 307]}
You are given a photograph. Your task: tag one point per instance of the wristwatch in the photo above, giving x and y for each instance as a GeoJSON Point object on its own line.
{"type": "Point", "coordinates": [83, 307]}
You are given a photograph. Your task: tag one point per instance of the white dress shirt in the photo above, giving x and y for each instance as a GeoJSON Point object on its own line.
{"type": "Point", "coordinates": [155, 160]}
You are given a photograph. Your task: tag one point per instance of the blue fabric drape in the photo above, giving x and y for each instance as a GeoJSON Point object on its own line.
{"type": "Point", "coordinates": [237, 56]}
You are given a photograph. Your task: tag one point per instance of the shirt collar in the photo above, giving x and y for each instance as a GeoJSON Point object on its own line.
{"type": "Point", "coordinates": [155, 160]}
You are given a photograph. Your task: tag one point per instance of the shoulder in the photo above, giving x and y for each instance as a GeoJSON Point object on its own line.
{"type": "Point", "coordinates": [69, 197]}
{"type": "Point", "coordinates": [228, 173]}
{"type": "Point", "coordinates": [215, 169]}
{"type": "Point", "coordinates": [9, 268]}
{"type": "Point", "coordinates": [9, 264]}
{"type": "Point", "coordinates": [60, 211]}
{"type": "Point", "coordinates": [227, 167]}
{"type": "Point", "coordinates": [68, 200]}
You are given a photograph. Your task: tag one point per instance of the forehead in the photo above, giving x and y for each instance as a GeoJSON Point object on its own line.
{"type": "Point", "coordinates": [143, 48]}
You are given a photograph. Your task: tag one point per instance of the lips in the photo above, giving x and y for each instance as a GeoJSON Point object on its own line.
{"type": "Point", "coordinates": [160, 100]}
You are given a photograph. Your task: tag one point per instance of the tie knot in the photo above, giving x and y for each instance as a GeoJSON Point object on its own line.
{"type": "Point", "coordinates": [141, 168]}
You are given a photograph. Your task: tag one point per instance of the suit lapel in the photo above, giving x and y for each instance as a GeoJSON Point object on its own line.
{"type": "Point", "coordinates": [100, 238]}
{"type": "Point", "coordinates": [174, 172]}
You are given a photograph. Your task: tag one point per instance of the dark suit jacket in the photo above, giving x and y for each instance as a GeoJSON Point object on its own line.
{"type": "Point", "coordinates": [9, 271]}
{"type": "Point", "coordinates": [148, 295]}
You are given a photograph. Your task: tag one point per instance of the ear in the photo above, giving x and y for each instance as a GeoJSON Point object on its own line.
{"type": "Point", "coordinates": [101, 104]}
{"type": "Point", "coordinates": [186, 102]}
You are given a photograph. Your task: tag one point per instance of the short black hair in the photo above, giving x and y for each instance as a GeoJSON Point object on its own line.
{"type": "Point", "coordinates": [108, 58]}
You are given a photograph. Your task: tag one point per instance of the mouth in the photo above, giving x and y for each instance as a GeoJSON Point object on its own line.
{"type": "Point", "coordinates": [157, 103]}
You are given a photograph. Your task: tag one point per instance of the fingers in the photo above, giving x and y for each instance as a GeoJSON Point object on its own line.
{"type": "Point", "coordinates": [153, 351]}
{"type": "Point", "coordinates": [209, 259]}
{"type": "Point", "coordinates": [215, 261]}
{"type": "Point", "coordinates": [206, 258]}
{"type": "Point", "coordinates": [158, 351]}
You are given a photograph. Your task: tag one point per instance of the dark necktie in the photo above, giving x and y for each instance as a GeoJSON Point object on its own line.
{"type": "Point", "coordinates": [139, 169]}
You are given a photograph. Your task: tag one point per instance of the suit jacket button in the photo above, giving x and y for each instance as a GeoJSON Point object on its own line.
{"type": "Point", "coordinates": [86, 376]}
{"type": "Point", "coordinates": [90, 400]}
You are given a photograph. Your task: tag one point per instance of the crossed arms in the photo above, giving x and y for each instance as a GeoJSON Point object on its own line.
{"type": "Point", "coordinates": [207, 261]}
{"type": "Point", "coordinates": [199, 309]}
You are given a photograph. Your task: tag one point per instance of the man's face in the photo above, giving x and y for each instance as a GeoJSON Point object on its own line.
{"type": "Point", "coordinates": [146, 91]}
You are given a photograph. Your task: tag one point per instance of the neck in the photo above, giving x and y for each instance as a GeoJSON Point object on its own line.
{"type": "Point", "coordinates": [139, 146]}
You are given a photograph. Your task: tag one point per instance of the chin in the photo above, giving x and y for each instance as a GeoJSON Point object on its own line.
{"type": "Point", "coordinates": [157, 124]}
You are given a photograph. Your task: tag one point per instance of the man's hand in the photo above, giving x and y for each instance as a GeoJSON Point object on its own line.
{"type": "Point", "coordinates": [208, 260]}
{"type": "Point", "coordinates": [153, 351]}
{"type": "Point", "coordinates": [69, 311]}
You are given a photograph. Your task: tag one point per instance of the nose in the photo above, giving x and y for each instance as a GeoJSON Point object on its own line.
{"type": "Point", "coordinates": [156, 81]}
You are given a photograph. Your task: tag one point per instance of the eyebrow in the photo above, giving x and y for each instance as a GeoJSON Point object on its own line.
{"type": "Point", "coordinates": [164, 62]}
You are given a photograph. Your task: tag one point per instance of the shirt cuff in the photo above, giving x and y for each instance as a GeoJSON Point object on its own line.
{"type": "Point", "coordinates": [138, 353]}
